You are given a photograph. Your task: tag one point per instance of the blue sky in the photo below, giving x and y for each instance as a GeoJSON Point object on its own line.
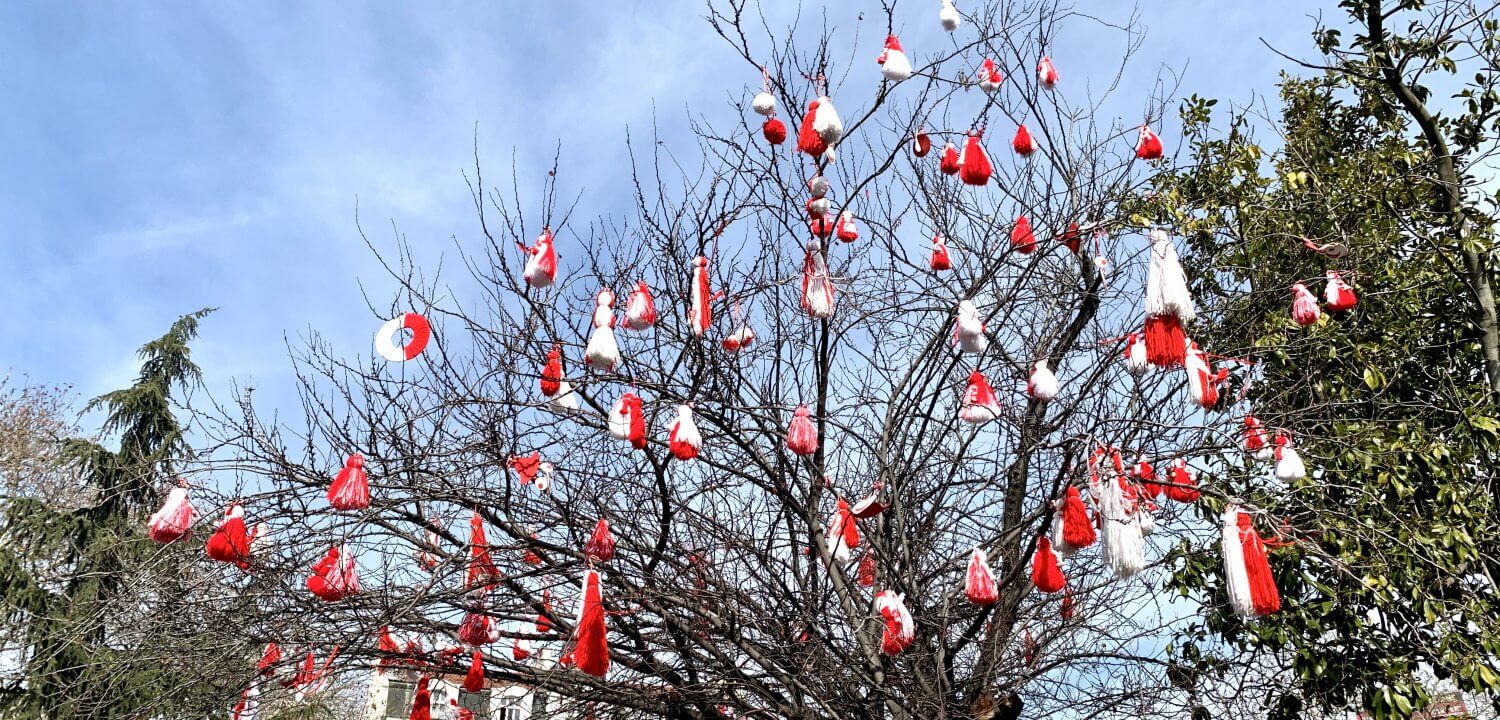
{"type": "Point", "coordinates": [160, 157]}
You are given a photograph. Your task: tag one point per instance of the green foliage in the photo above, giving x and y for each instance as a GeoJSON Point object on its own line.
{"type": "Point", "coordinates": [1397, 547]}
{"type": "Point", "coordinates": [71, 572]}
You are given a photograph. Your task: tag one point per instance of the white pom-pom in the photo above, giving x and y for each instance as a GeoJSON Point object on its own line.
{"type": "Point", "coordinates": [764, 103]}
{"type": "Point", "coordinates": [949, 16]}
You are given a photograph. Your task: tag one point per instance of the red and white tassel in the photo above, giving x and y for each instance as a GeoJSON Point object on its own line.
{"type": "Point", "coordinates": [1072, 528]}
{"type": "Point", "coordinates": [900, 629]}
{"type": "Point", "coordinates": [334, 577]}
{"type": "Point", "coordinates": [1120, 516]}
{"type": "Point", "coordinates": [1135, 354]}
{"type": "Point", "coordinates": [975, 167]}
{"type": "Point", "coordinates": [1247, 571]}
{"type": "Point", "coordinates": [979, 582]}
{"type": "Point", "coordinates": [949, 16]}
{"type": "Point", "coordinates": [739, 339]}
{"type": "Point", "coordinates": [1182, 486]}
{"type": "Point", "coordinates": [949, 162]}
{"type": "Point", "coordinates": [520, 650]}
{"type": "Point", "coordinates": [1289, 465]}
{"type": "Point", "coordinates": [968, 329]}
{"type": "Point", "coordinates": [351, 487]}
{"type": "Point", "coordinates": [989, 76]}
{"type": "Point", "coordinates": [1046, 570]}
{"type": "Point", "coordinates": [552, 372]}
{"type": "Point", "coordinates": [827, 124]}
{"type": "Point", "coordinates": [1042, 386]}
{"type": "Point", "coordinates": [980, 404]}
{"type": "Point", "coordinates": [1201, 380]}
{"type": "Point", "coordinates": [865, 576]}
{"type": "Point", "coordinates": [602, 352]}
{"type": "Point", "coordinates": [1145, 474]}
{"type": "Point", "coordinates": [1256, 442]}
{"type": "Point", "coordinates": [847, 230]}
{"type": "Point", "coordinates": [1169, 304]}
{"type": "Point", "coordinates": [683, 440]}
{"type": "Point", "coordinates": [1023, 143]}
{"type": "Point", "coordinates": [481, 570]}
{"type": "Point", "coordinates": [591, 644]}
{"type": "Point", "coordinates": [421, 704]}
{"type": "Point", "coordinates": [1148, 146]}
{"type": "Point", "coordinates": [230, 542]}
{"type": "Point", "coordinates": [843, 534]}
{"type": "Point", "coordinates": [940, 258]}
{"type": "Point", "coordinates": [1337, 294]}
{"type": "Point", "coordinates": [541, 261]}
{"type": "Point", "coordinates": [894, 64]}
{"type": "Point", "coordinates": [700, 315]}
{"type": "Point", "coordinates": [801, 434]}
{"type": "Point", "coordinates": [601, 544]}
{"type": "Point", "coordinates": [640, 309]}
{"type": "Point", "coordinates": [627, 420]}
{"type": "Point", "coordinates": [817, 287]}
{"type": "Point", "coordinates": [1305, 309]}
{"type": "Point", "coordinates": [1022, 239]}
{"type": "Point", "coordinates": [1046, 74]}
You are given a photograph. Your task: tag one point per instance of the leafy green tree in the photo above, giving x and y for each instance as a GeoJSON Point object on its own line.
{"type": "Point", "coordinates": [1393, 546]}
{"type": "Point", "coordinates": [99, 610]}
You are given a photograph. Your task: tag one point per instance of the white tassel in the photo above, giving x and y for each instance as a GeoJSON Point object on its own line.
{"type": "Point", "coordinates": [564, 399]}
{"type": "Point", "coordinates": [968, 329]}
{"type": "Point", "coordinates": [1166, 285]}
{"type": "Point", "coordinates": [949, 16]}
{"type": "Point", "coordinates": [826, 123]}
{"type": "Point", "coordinates": [1236, 580]}
{"type": "Point", "coordinates": [1135, 354]}
{"type": "Point", "coordinates": [603, 353]}
{"type": "Point", "coordinates": [619, 420]}
{"type": "Point", "coordinates": [1043, 384]}
{"type": "Point", "coordinates": [894, 64]}
{"type": "Point", "coordinates": [1123, 544]}
{"type": "Point", "coordinates": [1289, 465]}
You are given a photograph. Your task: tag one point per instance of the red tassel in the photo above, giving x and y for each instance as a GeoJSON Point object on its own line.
{"type": "Point", "coordinates": [268, 659]}
{"type": "Point", "coordinates": [231, 541]}
{"type": "Point", "coordinates": [1166, 346]}
{"type": "Point", "coordinates": [421, 705]}
{"type": "Point", "coordinates": [527, 466]}
{"type": "Point", "coordinates": [481, 566]}
{"type": "Point", "coordinates": [544, 618]}
{"type": "Point", "coordinates": [1073, 238]}
{"type": "Point", "coordinates": [474, 680]}
{"type": "Point", "coordinates": [701, 311]}
{"type": "Point", "coordinates": [552, 372]}
{"type": "Point", "coordinates": [601, 545]}
{"type": "Point", "coordinates": [591, 651]}
{"type": "Point", "coordinates": [866, 574]}
{"type": "Point", "coordinates": [335, 577]}
{"type": "Point", "coordinates": [979, 582]}
{"type": "Point", "coordinates": [808, 139]}
{"type": "Point", "coordinates": [351, 487]}
{"type": "Point", "coordinates": [1022, 142]}
{"type": "Point", "coordinates": [802, 435]}
{"type": "Point", "coordinates": [1146, 475]}
{"type": "Point", "coordinates": [1338, 295]}
{"type": "Point", "coordinates": [1066, 610]}
{"type": "Point", "coordinates": [940, 259]}
{"type": "Point", "coordinates": [1022, 240]}
{"type": "Point", "coordinates": [478, 629]}
{"type": "Point", "coordinates": [1078, 529]}
{"type": "Point", "coordinates": [976, 168]}
{"type": "Point", "coordinates": [1149, 145]}
{"type": "Point", "coordinates": [774, 130]}
{"type": "Point", "coordinates": [1304, 306]}
{"type": "Point", "coordinates": [948, 163]}
{"type": "Point", "coordinates": [1184, 488]}
{"type": "Point", "coordinates": [637, 421]}
{"type": "Point", "coordinates": [1046, 573]}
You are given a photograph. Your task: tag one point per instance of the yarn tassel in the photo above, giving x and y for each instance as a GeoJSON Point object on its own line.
{"type": "Point", "coordinates": [1046, 571]}
{"type": "Point", "coordinates": [591, 647]}
{"type": "Point", "coordinates": [1247, 571]}
{"type": "Point", "coordinates": [979, 582]}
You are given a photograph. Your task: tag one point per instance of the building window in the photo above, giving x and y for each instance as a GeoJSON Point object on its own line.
{"type": "Point", "coordinates": [398, 699]}
{"type": "Point", "coordinates": [539, 704]}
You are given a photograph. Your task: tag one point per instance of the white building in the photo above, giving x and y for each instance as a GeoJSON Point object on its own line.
{"type": "Point", "coordinates": [391, 692]}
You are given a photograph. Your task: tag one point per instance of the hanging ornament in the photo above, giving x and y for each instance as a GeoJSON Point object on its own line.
{"type": "Point", "coordinates": [821, 128]}
{"type": "Point", "coordinates": [1022, 240]}
{"type": "Point", "coordinates": [1022, 142]}
{"type": "Point", "coordinates": [1046, 74]}
{"type": "Point", "coordinates": [1169, 305]}
{"type": "Point", "coordinates": [1256, 443]}
{"type": "Point", "coordinates": [940, 258]}
{"type": "Point", "coordinates": [764, 103]}
{"type": "Point", "coordinates": [817, 287]}
{"type": "Point", "coordinates": [774, 131]}
{"type": "Point", "coordinates": [1148, 147]}
{"type": "Point", "coordinates": [1072, 528]}
{"type": "Point", "coordinates": [335, 577]}
{"type": "Point", "coordinates": [869, 506]}
{"type": "Point", "coordinates": [980, 404]}
{"type": "Point", "coordinates": [175, 519]}
{"type": "Point", "coordinates": [1289, 464]}
{"type": "Point", "coordinates": [847, 230]}
{"type": "Point", "coordinates": [591, 645]}
{"type": "Point", "coordinates": [1042, 386]}
{"type": "Point", "coordinates": [968, 329]}
{"type": "Point", "coordinates": [900, 629]}
{"type": "Point", "coordinates": [351, 487]}
{"type": "Point", "coordinates": [974, 166]}
{"type": "Point", "coordinates": [474, 679]}
{"type": "Point", "coordinates": [552, 372]}
{"type": "Point", "coordinates": [866, 574]}
{"type": "Point", "coordinates": [526, 466]}
{"type": "Point", "coordinates": [627, 420]}
{"type": "Point", "coordinates": [564, 400]}
{"type": "Point", "coordinates": [1202, 382]}
{"type": "Point", "coordinates": [269, 659]}
{"type": "Point", "coordinates": [979, 582]}
{"type": "Point", "coordinates": [739, 339]}
{"type": "Point", "coordinates": [1135, 354]}
{"type": "Point", "coordinates": [230, 543]}
{"type": "Point", "coordinates": [683, 440]}
{"type": "Point", "coordinates": [385, 337]}
{"type": "Point", "coordinates": [801, 434]}
{"type": "Point", "coordinates": [1120, 517]}
{"type": "Point", "coordinates": [544, 617]}
{"type": "Point", "coordinates": [819, 223]}
{"type": "Point", "coordinates": [1065, 609]}
{"type": "Point", "coordinates": [1337, 294]}
{"type": "Point", "coordinates": [248, 708]}
{"type": "Point", "coordinates": [541, 263]}
{"type": "Point", "coordinates": [894, 64]}
{"type": "Point", "coordinates": [602, 352]}
{"type": "Point", "coordinates": [701, 314]}
{"type": "Point", "coordinates": [1305, 309]}
{"type": "Point", "coordinates": [1247, 572]}
{"type": "Point", "coordinates": [601, 545]}
{"type": "Point", "coordinates": [421, 704]}
{"type": "Point", "coordinates": [948, 163]}
{"type": "Point", "coordinates": [949, 16]}
{"type": "Point", "coordinates": [1072, 238]}
{"type": "Point", "coordinates": [520, 650]}
{"type": "Point", "coordinates": [1183, 486]}
{"type": "Point", "coordinates": [921, 144]}
{"type": "Point", "coordinates": [989, 76]}
{"type": "Point", "coordinates": [843, 534]}
{"type": "Point", "coordinates": [640, 309]}
{"type": "Point", "coordinates": [1046, 570]}
{"type": "Point", "coordinates": [481, 569]}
